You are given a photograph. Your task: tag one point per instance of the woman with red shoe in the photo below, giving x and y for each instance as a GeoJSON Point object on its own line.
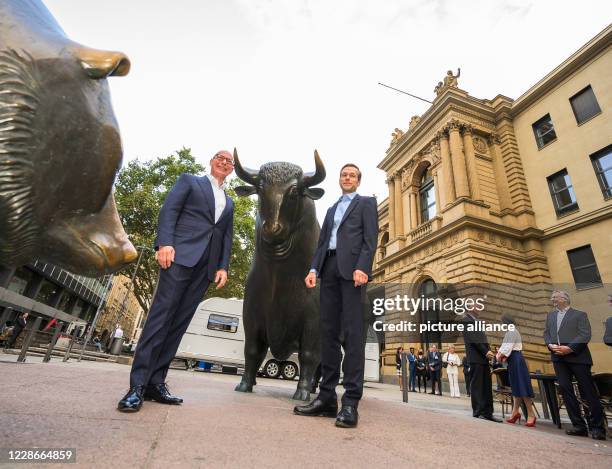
{"type": "Point", "coordinates": [518, 373]}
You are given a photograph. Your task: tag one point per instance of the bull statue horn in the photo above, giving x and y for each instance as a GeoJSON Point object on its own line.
{"type": "Point", "coordinates": [247, 175]}
{"type": "Point", "coordinates": [102, 63]}
{"type": "Point", "coordinates": [312, 179]}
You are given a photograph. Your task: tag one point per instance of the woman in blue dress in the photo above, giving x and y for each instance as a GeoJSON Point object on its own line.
{"type": "Point", "coordinates": [518, 373]}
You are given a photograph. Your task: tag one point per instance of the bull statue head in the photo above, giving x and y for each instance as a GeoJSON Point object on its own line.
{"type": "Point", "coordinates": [60, 147]}
{"type": "Point", "coordinates": [285, 196]}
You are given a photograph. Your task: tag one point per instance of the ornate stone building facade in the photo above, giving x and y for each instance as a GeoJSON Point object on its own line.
{"type": "Point", "coordinates": [461, 210]}
{"type": "Point", "coordinates": [123, 308]}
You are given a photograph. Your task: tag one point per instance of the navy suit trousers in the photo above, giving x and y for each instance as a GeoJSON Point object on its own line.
{"type": "Point", "coordinates": [341, 314]}
{"type": "Point", "coordinates": [179, 291]}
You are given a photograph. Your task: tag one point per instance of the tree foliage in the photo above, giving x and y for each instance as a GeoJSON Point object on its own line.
{"type": "Point", "coordinates": [140, 191]}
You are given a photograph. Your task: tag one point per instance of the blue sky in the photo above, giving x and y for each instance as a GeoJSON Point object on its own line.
{"type": "Point", "coordinates": [278, 79]}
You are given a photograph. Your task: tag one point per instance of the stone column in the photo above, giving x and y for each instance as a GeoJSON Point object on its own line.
{"type": "Point", "coordinates": [462, 187]}
{"type": "Point", "coordinates": [447, 169]}
{"type": "Point", "coordinates": [399, 216]}
{"type": "Point", "coordinates": [391, 211]}
{"type": "Point", "coordinates": [470, 160]}
{"type": "Point", "coordinates": [414, 216]}
{"type": "Point", "coordinates": [501, 179]}
{"type": "Point", "coordinates": [406, 208]}
{"type": "Point", "coordinates": [439, 204]}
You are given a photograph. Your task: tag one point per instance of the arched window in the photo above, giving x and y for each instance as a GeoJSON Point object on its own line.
{"type": "Point", "coordinates": [429, 314]}
{"type": "Point", "coordinates": [427, 196]}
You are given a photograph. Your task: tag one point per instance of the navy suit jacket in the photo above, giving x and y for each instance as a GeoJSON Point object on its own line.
{"type": "Point", "coordinates": [575, 332]}
{"type": "Point", "coordinates": [355, 240]}
{"type": "Point", "coordinates": [187, 222]}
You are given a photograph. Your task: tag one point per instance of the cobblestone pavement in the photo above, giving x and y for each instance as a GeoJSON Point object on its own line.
{"type": "Point", "coordinates": [74, 405]}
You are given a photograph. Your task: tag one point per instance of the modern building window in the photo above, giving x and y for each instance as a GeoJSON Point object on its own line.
{"type": "Point", "coordinates": [544, 131]}
{"type": "Point", "coordinates": [602, 163]}
{"type": "Point", "coordinates": [563, 196]}
{"type": "Point", "coordinates": [584, 267]}
{"type": "Point", "coordinates": [427, 197]}
{"type": "Point", "coordinates": [584, 105]}
{"type": "Point", "coordinates": [19, 281]}
{"type": "Point", "coordinates": [219, 322]}
{"type": "Point", "coordinates": [47, 292]}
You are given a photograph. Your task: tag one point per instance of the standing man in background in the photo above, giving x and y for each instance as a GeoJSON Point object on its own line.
{"type": "Point", "coordinates": [194, 242]}
{"type": "Point", "coordinates": [343, 261]}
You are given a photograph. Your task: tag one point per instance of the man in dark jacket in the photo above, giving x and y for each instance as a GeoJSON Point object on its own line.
{"type": "Point", "coordinates": [343, 261]}
{"type": "Point", "coordinates": [20, 324]}
{"type": "Point", "coordinates": [435, 369]}
{"type": "Point", "coordinates": [193, 244]}
{"type": "Point", "coordinates": [478, 355]}
{"type": "Point", "coordinates": [567, 334]}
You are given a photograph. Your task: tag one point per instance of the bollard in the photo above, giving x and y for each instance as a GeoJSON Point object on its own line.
{"type": "Point", "coordinates": [26, 342]}
{"type": "Point", "coordinates": [404, 378]}
{"type": "Point", "coordinates": [47, 358]}
{"type": "Point", "coordinates": [69, 349]}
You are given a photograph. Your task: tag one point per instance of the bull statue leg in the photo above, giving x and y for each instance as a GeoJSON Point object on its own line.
{"type": "Point", "coordinates": [309, 356]}
{"type": "Point", "coordinates": [254, 353]}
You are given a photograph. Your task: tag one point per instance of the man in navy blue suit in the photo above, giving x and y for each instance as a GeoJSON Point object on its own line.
{"type": "Point", "coordinates": [193, 244]}
{"type": "Point", "coordinates": [343, 262]}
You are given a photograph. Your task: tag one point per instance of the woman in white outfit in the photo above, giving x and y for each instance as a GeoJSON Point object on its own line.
{"type": "Point", "coordinates": [452, 370]}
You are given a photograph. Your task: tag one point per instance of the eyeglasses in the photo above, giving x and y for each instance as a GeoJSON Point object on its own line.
{"type": "Point", "coordinates": [225, 160]}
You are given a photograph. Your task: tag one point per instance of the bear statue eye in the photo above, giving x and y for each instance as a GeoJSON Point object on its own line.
{"type": "Point", "coordinates": [293, 191]}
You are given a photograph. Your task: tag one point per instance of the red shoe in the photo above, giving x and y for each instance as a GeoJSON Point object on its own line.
{"type": "Point", "coordinates": [514, 418]}
{"type": "Point", "coordinates": [531, 424]}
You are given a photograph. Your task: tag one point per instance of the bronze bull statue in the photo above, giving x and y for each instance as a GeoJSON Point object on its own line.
{"type": "Point", "coordinates": [60, 148]}
{"type": "Point", "coordinates": [279, 312]}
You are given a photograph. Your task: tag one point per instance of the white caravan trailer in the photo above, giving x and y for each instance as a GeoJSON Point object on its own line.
{"type": "Point", "coordinates": [216, 336]}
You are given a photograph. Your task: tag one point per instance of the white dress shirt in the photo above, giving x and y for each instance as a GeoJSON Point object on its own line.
{"type": "Point", "coordinates": [512, 341]}
{"type": "Point", "coordinates": [219, 194]}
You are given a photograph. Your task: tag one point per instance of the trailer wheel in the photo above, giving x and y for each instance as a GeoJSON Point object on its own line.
{"type": "Point", "coordinates": [272, 369]}
{"type": "Point", "coordinates": [290, 370]}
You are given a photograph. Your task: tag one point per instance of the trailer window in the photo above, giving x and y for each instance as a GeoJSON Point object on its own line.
{"type": "Point", "coordinates": [218, 322]}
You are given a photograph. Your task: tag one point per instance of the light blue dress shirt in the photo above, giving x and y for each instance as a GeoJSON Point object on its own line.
{"type": "Point", "coordinates": [343, 204]}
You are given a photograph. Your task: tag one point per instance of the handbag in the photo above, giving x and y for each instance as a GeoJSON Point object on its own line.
{"type": "Point", "coordinates": [445, 363]}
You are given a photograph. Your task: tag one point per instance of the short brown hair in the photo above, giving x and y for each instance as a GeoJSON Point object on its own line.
{"type": "Point", "coordinates": [352, 165]}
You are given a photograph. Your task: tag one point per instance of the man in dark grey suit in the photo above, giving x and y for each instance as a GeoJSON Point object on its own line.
{"type": "Point", "coordinates": [343, 261]}
{"type": "Point", "coordinates": [567, 334]}
{"type": "Point", "coordinates": [194, 241]}
{"type": "Point", "coordinates": [478, 354]}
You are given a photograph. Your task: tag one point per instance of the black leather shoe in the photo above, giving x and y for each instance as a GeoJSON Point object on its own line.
{"type": "Point", "coordinates": [317, 408]}
{"type": "Point", "coordinates": [598, 434]}
{"type": "Point", "coordinates": [347, 417]}
{"type": "Point", "coordinates": [160, 393]}
{"type": "Point", "coordinates": [490, 418]}
{"type": "Point", "coordinates": [132, 401]}
{"type": "Point", "coordinates": [577, 432]}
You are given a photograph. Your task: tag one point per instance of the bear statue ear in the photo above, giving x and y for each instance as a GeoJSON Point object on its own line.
{"type": "Point", "coordinates": [245, 191]}
{"type": "Point", "coordinates": [315, 193]}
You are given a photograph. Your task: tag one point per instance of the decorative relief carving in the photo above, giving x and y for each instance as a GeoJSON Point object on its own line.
{"type": "Point", "coordinates": [454, 124]}
{"type": "Point", "coordinates": [479, 145]}
{"type": "Point", "coordinates": [467, 128]}
{"type": "Point", "coordinates": [493, 139]}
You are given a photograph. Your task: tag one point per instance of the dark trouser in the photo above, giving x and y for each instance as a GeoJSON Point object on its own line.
{"type": "Point", "coordinates": [565, 372]}
{"type": "Point", "coordinates": [467, 379]}
{"type": "Point", "coordinates": [412, 377]}
{"type": "Point", "coordinates": [421, 376]}
{"type": "Point", "coordinates": [16, 333]}
{"type": "Point", "coordinates": [481, 392]}
{"type": "Point", "coordinates": [179, 292]}
{"type": "Point", "coordinates": [341, 311]}
{"type": "Point", "coordinates": [435, 378]}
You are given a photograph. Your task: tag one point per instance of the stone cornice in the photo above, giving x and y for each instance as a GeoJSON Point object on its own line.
{"type": "Point", "coordinates": [578, 59]}
{"type": "Point", "coordinates": [587, 219]}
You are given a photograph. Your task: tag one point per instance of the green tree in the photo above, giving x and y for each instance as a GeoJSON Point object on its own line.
{"type": "Point", "coordinates": [140, 191]}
